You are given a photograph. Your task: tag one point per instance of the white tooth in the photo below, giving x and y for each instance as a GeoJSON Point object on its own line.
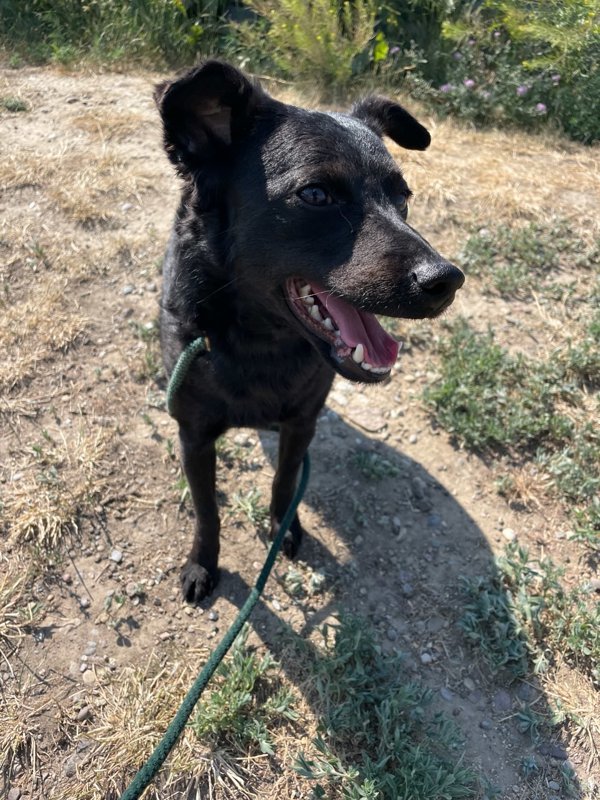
{"type": "Point", "coordinates": [310, 301]}
{"type": "Point", "coordinates": [328, 323]}
{"type": "Point", "coordinates": [315, 313]}
{"type": "Point", "coordinates": [366, 366]}
{"type": "Point", "coordinates": [358, 353]}
{"type": "Point", "coordinates": [305, 290]}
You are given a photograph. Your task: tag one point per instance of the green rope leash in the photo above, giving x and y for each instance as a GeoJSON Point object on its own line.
{"type": "Point", "coordinates": [181, 369]}
{"type": "Point", "coordinates": [149, 770]}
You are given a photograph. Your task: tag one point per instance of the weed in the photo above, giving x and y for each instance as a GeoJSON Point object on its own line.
{"type": "Point", "coordinates": [150, 367]}
{"type": "Point", "coordinates": [525, 599]}
{"type": "Point", "coordinates": [248, 503]}
{"type": "Point", "coordinates": [374, 466]}
{"type": "Point", "coordinates": [248, 699]}
{"type": "Point", "coordinates": [515, 260]}
{"type": "Point", "coordinates": [13, 104]}
{"type": "Point", "coordinates": [378, 738]}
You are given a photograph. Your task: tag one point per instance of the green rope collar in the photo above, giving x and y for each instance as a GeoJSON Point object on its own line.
{"type": "Point", "coordinates": [150, 769]}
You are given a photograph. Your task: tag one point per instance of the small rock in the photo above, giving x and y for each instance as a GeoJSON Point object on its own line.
{"type": "Point", "coordinates": [126, 206]}
{"type": "Point", "coordinates": [502, 702]}
{"type": "Point", "coordinates": [90, 650]}
{"type": "Point", "coordinates": [486, 724]}
{"type": "Point", "coordinates": [469, 684]}
{"type": "Point", "coordinates": [509, 534]}
{"type": "Point", "coordinates": [435, 522]}
{"type": "Point", "coordinates": [14, 794]}
{"type": "Point", "coordinates": [84, 714]}
{"type": "Point", "coordinates": [397, 523]}
{"type": "Point", "coordinates": [526, 692]}
{"type": "Point", "coordinates": [89, 677]}
{"type": "Point", "coordinates": [67, 578]}
{"type": "Point", "coordinates": [426, 658]}
{"type": "Point", "coordinates": [407, 589]}
{"type": "Point", "coordinates": [132, 589]}
{"type": "Point", "coordinates": [151, 287]}
{"type": "Point", "coordinates": [392, 634]}
{"type": "Point", "coordinates": [554, 785]}
{"type": "Point", "coordinates": [213, 615]}
{"type": "Point", "coordinates": [128, 289]}
{"type": "Point", "coordinates": [447, 694]}
{"type": "Point", "coordinates": [594, 585]}
{"type": "Point", "coordinates": [413, 438]}
{"type": "Point", "coordinates": [358, 540]}
{"type": "Point", "coordinates": [116, 556]}
{"type": "Point", "coordinates": [276, 604]}
{"type": "Point", "coordinates": [84, 601]}
{"type": "Point", "coordinates": [164, 636]}
{"type": "Point", "coordinates": [553, 750]}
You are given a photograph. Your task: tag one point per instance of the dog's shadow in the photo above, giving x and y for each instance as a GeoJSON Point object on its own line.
{"type": "Point", "coordinates": [398, 550]}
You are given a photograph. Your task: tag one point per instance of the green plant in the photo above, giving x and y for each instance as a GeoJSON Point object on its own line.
{"type": "Point", "coordinates": [13, 104]}
{"type": "Point", "coordinates": [378, 737]}
{"type": "Point", "coordinates": [374, 466]}
{"type": "Point", "coordinates": [522, 612]}
{"type": "Point", "coordinates": [248, 699]}
{"type": "Point", "coordinates": [249, 504]}
{"type": "Point", "coordinates": [325, 42]}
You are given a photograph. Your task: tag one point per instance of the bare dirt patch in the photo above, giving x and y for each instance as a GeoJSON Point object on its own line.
{"type": "Point", "coordinates": [97, 647]}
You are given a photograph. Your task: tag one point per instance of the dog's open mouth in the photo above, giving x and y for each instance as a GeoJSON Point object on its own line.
{"type": "Point", "coordinates": [357, 339]}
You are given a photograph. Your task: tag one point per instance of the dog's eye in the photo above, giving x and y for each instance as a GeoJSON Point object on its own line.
{"type": "Point", "coordinates": [315, 196]}
{"type": "Point", "coordinates": [402, 205]}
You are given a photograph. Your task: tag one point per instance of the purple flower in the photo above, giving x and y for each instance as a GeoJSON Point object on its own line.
{"type": "Point", "coordinates": [497, 34]}
{"type": "Point", "coordinates": [541, 108]}
{"type": "Point", "coordinates": [471, 42]}
{"type": "Point", "coordinates": [469, 83]}
{"type": "Point", "coordinates": [394, 50]}
{"type": "Point", "coordinates": [522, 90]}
{"type": "Point", "coordinates": [447, 87]}
{"type": "Point", "coordinates": [485, 94]}
{"type": "Point", "coordinates": [555, 79]}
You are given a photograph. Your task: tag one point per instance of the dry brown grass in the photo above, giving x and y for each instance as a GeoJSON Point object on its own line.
{"type": "Point", "coordinates": [58, 479]}
{"type": "Point", "coordinates": [105, 126]}
{"type": "Point", "coordinates": [36, 329]}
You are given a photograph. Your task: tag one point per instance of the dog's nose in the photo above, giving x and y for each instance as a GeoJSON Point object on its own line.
{"type": "Point", "coordinates": [439, 280]}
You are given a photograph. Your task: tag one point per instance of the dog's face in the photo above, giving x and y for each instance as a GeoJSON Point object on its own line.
{"type": "Point", "coordinates": [311, 211]}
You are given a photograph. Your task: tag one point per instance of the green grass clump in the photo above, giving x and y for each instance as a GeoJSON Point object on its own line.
{"type": "Point", "coordinates": [518, 260]}
{"type": "Point", "coordinates": [523, 610]}
{"type": "Point", "coordinates": [378, 737]}
{"type": "Point", "coordinates": [13, 104]}
{"type": "Point", "coordinates": [493, 400]}
{"type": "Point", "coordinates": [374, 466]}
{"type": "Point", "coordinates": [248, 701]}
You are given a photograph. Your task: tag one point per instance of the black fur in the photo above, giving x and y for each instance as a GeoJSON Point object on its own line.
{"type": "Point", "coordinates": [274, 196]}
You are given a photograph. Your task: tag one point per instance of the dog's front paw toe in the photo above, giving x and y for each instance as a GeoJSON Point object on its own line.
{"type": "Point", "coordinates": [197, 582]}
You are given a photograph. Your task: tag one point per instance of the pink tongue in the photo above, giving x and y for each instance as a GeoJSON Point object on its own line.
{"type": "Point", "coordinates": [360, 327]}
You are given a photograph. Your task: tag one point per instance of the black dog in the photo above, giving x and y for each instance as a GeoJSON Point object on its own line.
{"type": "Point", "coordinates": [290, 235]}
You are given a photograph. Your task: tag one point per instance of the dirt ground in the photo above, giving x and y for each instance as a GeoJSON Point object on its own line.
{"type": "Point", "coordinates": [87, 199]}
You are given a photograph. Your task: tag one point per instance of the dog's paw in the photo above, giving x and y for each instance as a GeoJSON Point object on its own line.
{"type": "Point", "coordinates": [292, 538]}
{"type": "Point", "coordinates": [197, 582]}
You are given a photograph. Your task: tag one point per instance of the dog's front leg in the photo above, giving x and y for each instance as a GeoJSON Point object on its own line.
{"type": "Point", "coordinates": [200, 573]}
{"type": "Point", "coordinates": [294, 439]}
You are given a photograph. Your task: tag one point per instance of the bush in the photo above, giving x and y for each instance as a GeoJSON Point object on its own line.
{"type": "Point", "coordinates": [525, 63]}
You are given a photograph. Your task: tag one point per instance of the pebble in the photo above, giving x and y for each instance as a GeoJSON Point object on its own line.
{"type": "Point", "coordinates": [132, 589]}
{"type": "Point", "coordinates": [276, 604]}
{"type": "Point", "coordinates": [486, 724]}
{"type": "Point", "coordinates": [435, 522]}
{"type": "Point", "coordinates": [90, 650]}
{"type": "Point", "coordinates": [128, 289]}
{"type": "Point", "coordinates": [164, 636]}
{"type": "Point", "coordinates": [595, 585]}
{"type": "Point", "coordinates": [526, 692]}
{"type": "Point", "coordinates": [413, 438]}
{"type": "Point", "coordinates": [407, 589]}
{"type": "Point", "coordinates": [502, 702]}
{"type": "Point", "coordinates": [469, 684]}
{"type": "Point", "coordinates": [447, 694]}
{"type": "Point", "coordinates": [84, 714]}
{"type": "Point", "coordinates": [392, 634]}
{"type": "Point", "coordinates": [14, 794]}
{"type": "Point", "coordinates": [553, 750]}
{"type": "Point", "coordinates": [67, 578]}
{"type": "Point", "coordinates": [116, 556]}
{"type": "Point", "coordinates": [213, 615]}
{"type": "Point", "coordinates": [554, 785]}
{"type": "Point", "coordinates": [84, 601]}
{"type": "Point", "coordinates": [89, 677]}
{"type": "Point", "coordinates": [426, 658]}
{"type": "Point", "coordinates": [509, 534]}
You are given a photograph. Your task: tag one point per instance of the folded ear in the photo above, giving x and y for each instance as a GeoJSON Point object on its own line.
{"type": "Point", "coordinates": [205, 111]}
{"type": "Point", "coordinates": [384, 116]}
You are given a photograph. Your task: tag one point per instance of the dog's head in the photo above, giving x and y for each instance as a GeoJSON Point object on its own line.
{"type": "Point", "coordinates": [309, 210]}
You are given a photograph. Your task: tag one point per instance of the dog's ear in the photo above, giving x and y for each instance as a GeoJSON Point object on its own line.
{"type": "Point", "coordinates": [384, 116]}
{"type": "Point", "coordinates": [205, 111]}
